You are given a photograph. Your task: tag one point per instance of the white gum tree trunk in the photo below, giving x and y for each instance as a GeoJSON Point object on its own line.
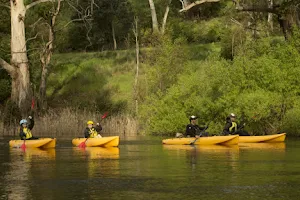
{"type": "Point", "coordinates": [20, 75]}
{"type": "Point", "coordinates": [154, 16]}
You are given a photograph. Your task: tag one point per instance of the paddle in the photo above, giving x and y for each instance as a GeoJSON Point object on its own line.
{"type": "Point", "coordinates": [200, 134]}
{"type": "Point", "coordinates": [82, 144]}
{"type": "Point", "coordinates": [23, 146]}
{"type": "Point", "coordinates": [203, 131]}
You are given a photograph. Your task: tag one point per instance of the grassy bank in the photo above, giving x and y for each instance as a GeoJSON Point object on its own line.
{"type": "Point", "coordinates": [105, 80]}
{"type": "Point", "coordinates": [93, 83]}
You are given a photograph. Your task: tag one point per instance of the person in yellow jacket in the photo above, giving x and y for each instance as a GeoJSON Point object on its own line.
{"type": "Point", "coordinates": [92, 131]}
{"type": "Point", "coordinates": [25, 129]}
{"type": "Point", "coordinates": [233, 128]}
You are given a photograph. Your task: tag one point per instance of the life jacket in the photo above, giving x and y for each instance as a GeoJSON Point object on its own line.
{"type": "Point", "coordinates": [27, 133]}
{"type": "Point", "coordinates": [233, 127]}
{"type": "Point", "coordinates": [93, 132]}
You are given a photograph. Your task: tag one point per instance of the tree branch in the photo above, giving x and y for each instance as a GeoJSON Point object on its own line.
{"type": "Point", "coordinates": [257, 9]}
{"type": "Point", "coordinates": [164, 22]}
{"type": "Point", "coordinates": [37, 2]}
{"type": "Point", "coordinates": [5, 6]}
{"type": "Point", "coordinates": [197, 3]}
{"type": "Point", "coordinates": [9, 68]}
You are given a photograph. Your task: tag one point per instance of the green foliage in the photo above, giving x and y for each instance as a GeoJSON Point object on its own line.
{"type": "Point", "coordinates": [231, 38]}
{"type": "Point", "coordinates": [167, 62]}
{"type": "Point", "coordinates": [95, 81]}
{"type": "Point", "coordinates": [196, 31]}
{"type": "Point", "coordinates": [5, 88]}
{"type": "Point", "coordinates": [292, 119]}
{"type": "Point", "coordinates": [260, 85]}
{"type": "Point", "coordinates": [97, 34]}
{"type": "Point", "coordinates": [4, 33]}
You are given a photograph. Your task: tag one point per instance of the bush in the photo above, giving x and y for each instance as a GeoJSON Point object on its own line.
{"type": "Point", "coordinates": [291, 121]}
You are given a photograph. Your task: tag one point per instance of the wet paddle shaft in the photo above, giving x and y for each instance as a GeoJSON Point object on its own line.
{"type": "Point", "coordinates": [203, 131]}
{"type": "Point", "coordinates": [82, 144]}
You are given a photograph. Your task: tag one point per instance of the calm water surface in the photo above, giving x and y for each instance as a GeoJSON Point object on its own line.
{"type": "Point", "coordinates": [143, 168]}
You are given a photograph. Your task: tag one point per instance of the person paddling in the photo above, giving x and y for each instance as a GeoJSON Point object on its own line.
{"type": "Point", "coordinates": [92, 131]}
{"type": "Point", "coordinates": [232, 127]}
{"type": "Point", "coordinates": [193, 130]}
{"type": "Point", "coordinates": [25, 129]}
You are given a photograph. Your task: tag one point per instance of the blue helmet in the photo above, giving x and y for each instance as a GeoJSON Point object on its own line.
{"type": "Point", "coordinates": [23, 121]}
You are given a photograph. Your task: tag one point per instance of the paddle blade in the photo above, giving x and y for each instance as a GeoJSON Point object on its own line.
{"type": "Point", "coordinates": [104, 115]}
{"type": "Point", "coordinates": [82, 145]}
{"type": "Point", "coordinates": [23, 146]}
{"type": "Point", "coordinates": [32, 103]}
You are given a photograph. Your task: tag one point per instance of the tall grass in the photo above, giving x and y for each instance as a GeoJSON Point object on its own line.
{"type": "Point", "coordinates": [69, 123]}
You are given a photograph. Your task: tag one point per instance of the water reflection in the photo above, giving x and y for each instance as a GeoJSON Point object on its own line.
{"type": "Point", "coordinates": [265, 146]}
{"type": "Point", "coordinates": [97, 152]}
{"type": "Point", "coordinates": [100, 161]}
{"type": "Point", "coordinates": [142, 169]}
{"type": "Point", "coordinates": [33, 153]}
{"type": "Point", "coordinates": [199, 153]}
{"type": "Point", "coordinates": [20, 169]}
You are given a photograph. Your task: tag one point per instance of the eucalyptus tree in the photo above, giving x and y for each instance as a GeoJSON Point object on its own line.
{"type": "Point", "coordinates": [287, 11]}
{"type": "Point", "coordinates": [18, 66]}
{"type": "Point", "coordinates": [155, 25]}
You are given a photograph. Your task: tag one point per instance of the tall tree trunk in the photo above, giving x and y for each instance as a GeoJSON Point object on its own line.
{"type": "Point", "coordinates": [154, 17]}
{"type": "Point", "coordinates": [20, 94]}
{"type": "Point", "coordinates": [45, 58]}
{"type": "Point", "coordinates": [113, 34]}
{"type": "Point", "coordinates": [164, 22]}
{"type": "Point", "coordinates": [137, 52]}
{"type": "Point", "coordinates": [270, 15]}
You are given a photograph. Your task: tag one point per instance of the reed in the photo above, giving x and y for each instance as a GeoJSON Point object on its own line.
{"type": "Point", "coordinates": [69, 123]}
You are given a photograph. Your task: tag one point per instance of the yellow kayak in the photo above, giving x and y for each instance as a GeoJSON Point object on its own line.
{"type": "Point", "coordinates": [223, 140]}
{"type": "Point", "coordinates": [263, 138]}
{"type": "Point", "coordinates": [112, 141]}
{"type": "Point", "coordinates": [39, 143]}
{"type": "Point", "coordinates": [202, 148]}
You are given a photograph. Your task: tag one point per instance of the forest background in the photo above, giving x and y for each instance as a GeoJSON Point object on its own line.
{"type": "Point", "coordinates": [150, 65]}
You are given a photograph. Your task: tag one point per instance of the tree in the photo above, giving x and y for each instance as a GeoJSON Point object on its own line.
{"type": "Point", "coordinates": [46, 54]}
{"type": "Point", "coordinates": [187, 6]}
{"type": "Point", "coordinates": [107, 28]}
{"type": "Point", "coordinates": [155, 25]}
{"type": "Point", "coordinates": [137, 54]}
{"type": "Point", "coordinates": [18, 68]}
{"type": "Point", "coordinates": [287, 12]}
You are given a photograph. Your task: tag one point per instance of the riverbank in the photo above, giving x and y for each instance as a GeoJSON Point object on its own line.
{"type": "Point", "coordinates": [67, 122]}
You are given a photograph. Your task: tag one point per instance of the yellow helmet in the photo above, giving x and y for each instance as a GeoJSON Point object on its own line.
{"type": "Point", "coordinates": [90, 122]}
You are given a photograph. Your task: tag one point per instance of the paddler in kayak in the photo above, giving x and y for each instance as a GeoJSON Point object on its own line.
{"type": "Point", "coordinates": [233, 128]}
{"type": "Point", "coordinates": [92, 131]}
{"type": "Point", "coordinates": [25, 129]}
{"type": "Point", "coordinates": [193, 130]}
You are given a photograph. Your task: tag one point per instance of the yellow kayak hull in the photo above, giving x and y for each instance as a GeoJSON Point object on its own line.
{"type": "Point", "coordinates": [263, 138]}
{"type": "Point", "coordinates": [222, 140]}
{"type": "Point", "coordinates": [112, 141]}
{"type": "Point", "coordinates": [39, 143]}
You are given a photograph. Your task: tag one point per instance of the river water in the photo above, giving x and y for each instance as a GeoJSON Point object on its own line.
{"type": "Point", "coordinates": [143, 168]}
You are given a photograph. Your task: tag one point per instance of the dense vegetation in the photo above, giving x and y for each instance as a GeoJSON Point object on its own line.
{"type": "Point", "coordinates": [208, 62]}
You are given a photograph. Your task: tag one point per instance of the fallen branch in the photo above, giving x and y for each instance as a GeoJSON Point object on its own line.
{"type": "Point", "coordinates": [196, 4]}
